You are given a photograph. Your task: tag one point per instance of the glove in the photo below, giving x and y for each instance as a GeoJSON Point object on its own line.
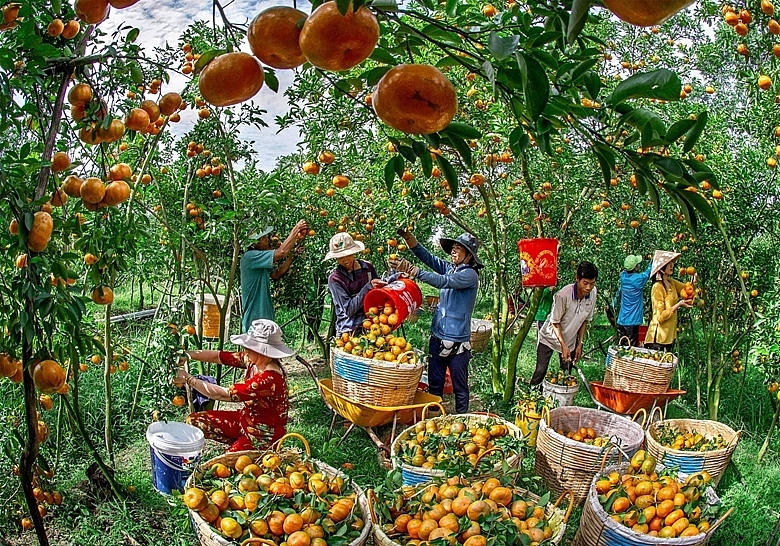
{"type": "Point", "coordinates": [404, 266]}
{"type": "Point", "coordinates": [408, 236]}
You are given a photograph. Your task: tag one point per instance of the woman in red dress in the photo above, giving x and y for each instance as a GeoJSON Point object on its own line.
{"type": "Point", "coordinates": [263, 391]}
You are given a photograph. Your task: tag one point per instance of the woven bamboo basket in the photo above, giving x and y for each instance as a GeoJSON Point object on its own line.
{"type": "Point", "coordinates": [208, 536]}
{"type": "Point", "coordinates": [375, 382]}
{"type": "Point", "coordinates": [567, 465]}
{"type": "Point", "coordinates": [413, 475]}
{"type": "Point", "coordinates": [554, 513]}
{"type": "Point", "coordinates": [639, 373]}
{"type": "Point", "coordinates": [714, 462]}
{"type": "Point", "coordinates": [598, 529]}
{"type": "Point", "coordinates": [481, 332]}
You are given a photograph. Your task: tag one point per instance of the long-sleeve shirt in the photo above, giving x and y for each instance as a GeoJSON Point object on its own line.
{"type": "Point", "coordinates": [457, 295]}
{"type": "Point", "coordinates": [348, 289]}
{"type": "Point", "coordinates": [632, 308]}
{"type": "Point", "coordinates": [663, 325]}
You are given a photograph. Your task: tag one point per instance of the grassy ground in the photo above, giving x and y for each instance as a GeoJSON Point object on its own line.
{"type": "Point", "coordinates": [147, 518]}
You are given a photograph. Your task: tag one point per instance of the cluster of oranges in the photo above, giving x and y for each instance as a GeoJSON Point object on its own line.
{"type": "Point", "coordinates": [467, 512]}
{"type": "Point", "coordinates": [11, 368]}
{"type": "Point", "coordinates": [688, 440]}
{"type": "Point", "coordinates": [586, 436]}
{"type": "Point", "coordinates": [117, 363]}
{"type": "Point", "coordinates": [561, 378]}
{"type": "Point", "coordinates": [284, 499]}
{"type": "Point", "coordinates": [737, 366]}
{"type": "Point", "coordinates": [380, 346]}
{"type": "Point", "coordinates": [654, 505]}
{"type": "Point", "coordinates": [448, 442]}
{"type": "Point", "coordinates": [45, 495]}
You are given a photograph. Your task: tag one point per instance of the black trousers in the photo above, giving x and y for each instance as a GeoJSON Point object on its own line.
{"type": "Point", "coordinates": [631, 332]}
{"type": "Point", "coordinates": [543, 356]}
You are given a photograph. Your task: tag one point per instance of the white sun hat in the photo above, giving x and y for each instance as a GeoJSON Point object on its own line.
{"type": "Point", "coordinates": [342, 244]}
{"type": "Point", "coordinates": [661, 258]}
{"type": "Point", "coordinates": [265, 337]}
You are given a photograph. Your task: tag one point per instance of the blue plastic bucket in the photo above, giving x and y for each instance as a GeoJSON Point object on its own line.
{"type": "Point", "coordinates": [175, 451]}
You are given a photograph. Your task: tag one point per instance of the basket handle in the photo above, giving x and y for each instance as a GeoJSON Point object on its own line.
{"type": "Point", "coordinates": [735, 439]}
{"type": "Point", "coordinates": [568, 493]}
{"type": "Point", "coordinates": [257, 540]}
{"type": "Point", "coordinates": [424, 412]}
{"type": "Point", "coordinates": [643, 412]}
{"type": "Point", "coordinates": [411, 361]}
{"type": "Point", "coordinates": [546, 415]}
{"type": "Point", "coordinates": [486, 452]}
{"type": "Point", "coordinates": [278, 443]}
{"type": "Point", "coordinates": [652, 415]}
{"type": "Point", "coordinates": [668, 357]}
{"type": "Point", "coordinates": [606, 455]}
{"type": "Point", "coordinates": [620, 341]}
{"type": "Point", "coordinates": [371, 499]}
{"type": "Point", "coordinates": [719, 521]}
{"type": "Point", "coordinates": [483, 326]}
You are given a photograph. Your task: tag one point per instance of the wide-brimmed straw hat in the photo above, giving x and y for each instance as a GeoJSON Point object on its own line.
{"type": "Point", "coordinates": [265, 337]}
{"type": "Point", "coordinates": [257, 233]}
{"type": "Point", "coordinates": [661, 258]}
{"type": "Point", "coordinates": [467, 241]}
{"type": "Point", "coordinates": [342, 244]}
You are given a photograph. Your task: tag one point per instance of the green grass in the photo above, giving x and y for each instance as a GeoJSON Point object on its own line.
{"type": "Point", "coordinates": [151, 519]}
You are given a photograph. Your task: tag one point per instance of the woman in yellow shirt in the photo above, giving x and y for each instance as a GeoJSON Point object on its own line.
{"type": "Point", "coordinates": [665, 297]}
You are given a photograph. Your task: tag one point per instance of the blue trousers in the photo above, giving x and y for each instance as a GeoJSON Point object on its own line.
{"type": "Point", "coordinates": [459, 372]}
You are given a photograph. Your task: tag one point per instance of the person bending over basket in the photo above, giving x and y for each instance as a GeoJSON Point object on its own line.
{"type": "Point", "coordinates": [665, 296]}
{"type": "Point", "coordinates": [349, 282]}
{"type": "Point", "coordinates": [457, 281]}
{"type": "Point", "coordinates": [263, 390]}
{"type": "Point", "coordinates": [564, 330]}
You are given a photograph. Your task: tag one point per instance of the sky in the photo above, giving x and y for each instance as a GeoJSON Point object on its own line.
{"type": "Point", "coordinates": [165, 22]}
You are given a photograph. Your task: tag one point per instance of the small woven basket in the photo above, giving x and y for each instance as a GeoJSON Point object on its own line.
{"type": "Point", "coordinates": [597, 528]}
{"type": "Point", "coordinates": [481, 332]}
{"type": "Point", "coordinates": [375, 382]}
{"type": "Point", "coordinates": [568, 465]}
{"type": "Point", "coordinates": [208, 536]}
{"type": "Point", "coordinates": [552, 511]}
{"type": "Point", "coordinates": [640, 373]}
{"type": "Point", "coordinates": [714, 462]}
{"type": "Point", "coordinates": [413, 475]}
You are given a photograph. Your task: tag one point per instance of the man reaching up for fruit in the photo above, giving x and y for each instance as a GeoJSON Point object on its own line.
{"type": "Point", "coordinates": [457, 281]}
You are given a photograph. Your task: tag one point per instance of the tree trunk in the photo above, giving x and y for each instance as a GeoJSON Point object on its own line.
{"type": "Point", "coordinates": [517, 344]}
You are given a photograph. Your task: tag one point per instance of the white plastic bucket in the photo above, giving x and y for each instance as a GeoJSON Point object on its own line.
{"type": "Point", "coordinates": [563, 394]}
{"type": "Point", "coordinates": [207, 316]}
{"type": "Point", "coordinates": [175, 451]}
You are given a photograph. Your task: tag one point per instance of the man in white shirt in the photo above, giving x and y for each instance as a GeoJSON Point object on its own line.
{"type": "Point", "coordinates": [564, 330]}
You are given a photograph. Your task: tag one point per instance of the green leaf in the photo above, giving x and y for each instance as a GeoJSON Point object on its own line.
{"type": "Point", "coordinates": [385, 5]}
{"type": "Point", "coordinates": [383, 56]}
{"type": "Point", "coordinates": [449, 173]}
{"type": "Point", "coordinates": [536, 86]}
{"type": "Point", "coordinates": [606, 160]}
{"type": "Point", "coordinates": [389, 174]}
{"type": "Point", "coordinates": [490, 74]}
{"type": "Point", "coordinates": [659, 84]}
{"type": "Point", "coordinates": [271, 81]}
{"type": "Point", "coordinates": [425, 157]}
{"type": "Point", "coordinates": [56, 6]}
{"type": "Point", "coordinates": [462, 148]}
{"type": "Point", "coordinates": [669, 167]}
{"type": "Point", "coordinates": [343, 6]}
{"type": "Point", "coordinates": [702, 172]}
{"type": "Point", "coordinates": [581, 69]}
{"type": "Point", "coordinates": [132, 35]}
{"type": "Point", "coordinates": [373, 76]}
{"type": "Point", "coordinates": [462, 130]}
{"type": "Point", "coordinates": [452, 7]}
{"type": "Point", "coordinates": [577, 19]}
{"type": "Point", "coordinates": [701, 204]}
{"type": "Point", "coordinates": [433, 140]}
{"type": "Point", "coordinates": [695, 132]}
{"type": "Point", "coordinates": [502, 47]}
{"type": "Point", "coordinates": [685, 207]}
{"type": "Point", "coordinates": [593, 84]}
{"type": "Point", "coordinates": [678, 129]}
{"type": "Point", "coordinates": [519, 141]}
{"type": "Point", "coordinates": [407, 152]}
{"type": "Point", "coordinates": [206, 58]}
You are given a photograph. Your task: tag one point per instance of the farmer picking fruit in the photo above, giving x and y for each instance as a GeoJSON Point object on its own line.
{"type": "Point", "coordinates": [667, 295]}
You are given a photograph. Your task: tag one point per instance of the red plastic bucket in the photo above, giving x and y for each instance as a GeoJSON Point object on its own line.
{"type": "Point", "coordinates": [404, 294]}
{"type": "Point", "coordinates": [540, 261]}
{"type": "Point", "coordinates": [642, 334]}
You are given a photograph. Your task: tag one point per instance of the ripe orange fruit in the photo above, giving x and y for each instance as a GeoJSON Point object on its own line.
{"type": "Point", "coordinates": [40, 232]}
{"type": "Point", "coordinates": [80, 94]}
{"type": "Point", "coordinates": [764, 82]}
{"type": "Point", "coordinates": [59, 162]}
{"type": "Point", "coordinates": [71, 29]}
{"type": "Point", "coordinates": [122, 4]}
{"type": "Point", "coordinates": [340, 181]}
{"type": "Point", "coordinates": [120, 171]}
{"type": "Point", "coordinates": [137, 119]}
{"type": "Point", "coordinates": [645, 13]}
{"type": "Point", "coordinates": [115, 131]}
{"type": "Point", "coordinates": [242, 462]}
{"type": "Point", "coordinates": [92, 190]}
{"type": "Point", "coordinates": [195, 498]}
{"type": "Point", "coordinates": [91, 12]}
{"type": "Point", "coordinates": [241, 69]}
{"type": "Point", "coordinates": [274, 35]}
{"type": "Point", "coordinates": [327, 157]}
{"type": "Point", "coordinates": [116, 192]}
{"type": "Point", "coordinates": [310, 167]}
{"type": "Point", "coordinates": [416, 99]}
{"type": "Point", "coordinates": [152, 109]}
{"type": "Point", "coordinates": [169, 103]}
{"type": "Point", "coordinates": [690, 270]}
{"type": "Point", "coordinates": [48, 376]}
{"type": "Point", "coordinates": [55, 28]}
{"type": "Point", "coordinates": [178, 400]}
{"type": "Point", "coordinates": [102, 295]}
{"type": "Point", "coordinates": [336, 42]}
{"type": "Point", "coordinates": [477, 179]}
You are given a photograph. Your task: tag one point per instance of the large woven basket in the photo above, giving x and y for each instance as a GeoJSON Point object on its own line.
{"type": "Point", "coordinates": [481, 332]}
{"type": "Point", "coordinates": [640, 373]}
{"type": "Point", "coordinates": [208, 536]}
{"type": "Point", "coordinates": [568, 465]}
{"type": "Point", "coordinates": [714, 462]}
{"type": "Point", "coordinates": [413, 475]}
{"type": "Point", "coordinates": [597, 528]}
{"type": "Point", "coordinates": [375, 382]}
{"type": "Point", "coordinates": [555, 515]}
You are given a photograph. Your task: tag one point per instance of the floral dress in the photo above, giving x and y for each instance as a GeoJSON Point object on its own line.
{"type": "Point", "coordinates": [261, 421]}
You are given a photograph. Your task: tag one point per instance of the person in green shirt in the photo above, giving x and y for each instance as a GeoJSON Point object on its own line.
{"type": "Point", "coordinates": [257, 270]}
{"type": "Point", "coordinates": [545, 306]}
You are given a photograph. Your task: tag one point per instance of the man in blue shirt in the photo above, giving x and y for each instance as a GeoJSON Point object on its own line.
{"type": "Point", "coordinates": [457, 281]}
{"type": "Point", "coordinates": [629, 293]}
{"type": "Point", "coordinates": [257, 270]}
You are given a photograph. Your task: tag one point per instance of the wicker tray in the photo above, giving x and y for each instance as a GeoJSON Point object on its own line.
{"type": "Point", "coordinates": [638, 373]}
{"type": "Point", "coordinates": [481, 332]}
{"type": "Point", "coordinates": [567, 465]}
{"type": "Point", "coordinates": [598, 529]}
{"type": "Point", "coordinates": [714, 462]}
{"type": "Point", "coordinates": [208, 536]}
{"type": "Point", "coordinates": [413, 475]}
{"type": "Point", "coordinates": [375, 382]}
